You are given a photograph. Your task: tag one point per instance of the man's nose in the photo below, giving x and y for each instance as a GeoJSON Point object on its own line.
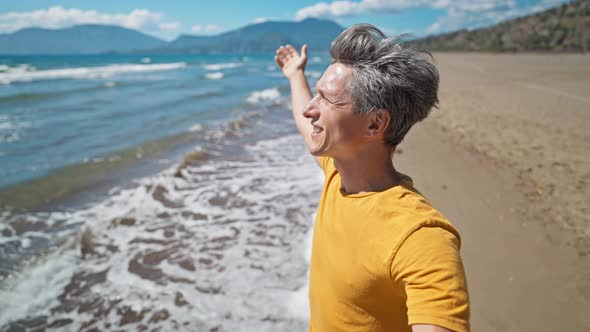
{"type": "Point", "coordinates": [311, 111]}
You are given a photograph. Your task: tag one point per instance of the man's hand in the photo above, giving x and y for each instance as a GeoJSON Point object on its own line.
{"type": "Point", "coordinates": [290, 62]}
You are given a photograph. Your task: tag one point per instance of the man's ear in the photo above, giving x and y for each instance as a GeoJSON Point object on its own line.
{"type": "Point", "coordinates": [379, 123]}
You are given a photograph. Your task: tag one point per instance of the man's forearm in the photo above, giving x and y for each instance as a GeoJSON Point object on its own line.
{"type": "Point", "coordinates": [300, 96]}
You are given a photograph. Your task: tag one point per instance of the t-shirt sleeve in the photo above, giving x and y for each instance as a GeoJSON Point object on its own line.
{"type": "Point", "coordinates": [429, 267]}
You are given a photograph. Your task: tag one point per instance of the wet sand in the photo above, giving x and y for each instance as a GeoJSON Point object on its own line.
{"type": "Point", "coordinates": [506, 158]}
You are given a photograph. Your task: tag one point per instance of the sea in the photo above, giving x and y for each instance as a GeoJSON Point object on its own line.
{"type": "Point", "coordinates": [153, 193]}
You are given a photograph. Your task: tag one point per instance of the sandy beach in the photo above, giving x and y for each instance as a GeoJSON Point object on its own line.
{"type": "Point", "coordinates": [219, 240]}
{"type": "Point", "coordinates": [506, 158]}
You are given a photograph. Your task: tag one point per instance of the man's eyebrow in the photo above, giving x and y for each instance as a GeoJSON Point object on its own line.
{"type": "Point", "coordinates": [320, 91]}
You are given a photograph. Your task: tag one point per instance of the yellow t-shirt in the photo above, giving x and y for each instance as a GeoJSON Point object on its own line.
{"type": "Point", "coordinates": [382, 261]}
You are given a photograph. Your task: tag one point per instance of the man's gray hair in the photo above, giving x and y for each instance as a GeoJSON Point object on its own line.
{"type": "Point", "coordinates": [387, 75]}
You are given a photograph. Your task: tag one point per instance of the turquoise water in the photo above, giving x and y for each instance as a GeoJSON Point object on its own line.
{"type": "Point", "coordinates": [60, 111]}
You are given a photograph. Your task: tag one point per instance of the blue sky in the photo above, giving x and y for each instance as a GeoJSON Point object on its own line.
{"type": "Point", "coordinates": [169, 18]}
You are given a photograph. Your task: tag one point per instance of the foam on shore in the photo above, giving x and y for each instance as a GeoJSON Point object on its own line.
{"type": "Point", "coordinates": [219, 66]}
{"type": "Point", "coordinates": [214, 76]}
{"type": "Point", "coordinates": [25, 73]}
{"type": "Point", "coordinates": [242, 224]}
{"type": "Point", "coordinates": [263, 95]}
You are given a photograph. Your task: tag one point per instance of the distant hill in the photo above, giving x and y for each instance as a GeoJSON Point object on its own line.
{"type": "Point", "coordinates": [260, 37]}
{"type": "Point", "coordinates": [563, 29]}
{"type": "Point", "coordinates": [81, 39]}
{"type": "Point", "coordinates": [96, 39]}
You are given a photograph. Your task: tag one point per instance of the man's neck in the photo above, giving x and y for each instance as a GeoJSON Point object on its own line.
{"type": "Point", "coordinates": [368, 171]}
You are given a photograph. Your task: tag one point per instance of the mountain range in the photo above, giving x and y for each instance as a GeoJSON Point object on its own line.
{"type": "Point", "coordinates": [96, 39]}
{"type": "Point", "coordinates": [81, 39]}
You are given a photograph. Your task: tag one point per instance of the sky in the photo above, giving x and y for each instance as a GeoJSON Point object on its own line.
{"type": "Point", "coordinates": [167, 19]}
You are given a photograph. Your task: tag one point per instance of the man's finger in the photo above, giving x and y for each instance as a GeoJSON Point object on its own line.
{"type": "Point", "coordinates": [291, 50]}
{"type": "Point", "coordinates": [304, 51]}
{"type": "Point", "coordinates": [283, 52]}
{"type": "Point", "coordinates": [279, 62]}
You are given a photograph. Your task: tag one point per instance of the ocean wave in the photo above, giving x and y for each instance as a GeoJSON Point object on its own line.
{"type": "Point", "coordinates": [214, 76]}
{"type": "Point", "coordinates": [314, 74]}
{"type": "Point", "coordinates": [17, 69]}
{"type": "Point", "coordinates": [30, 294]}
{"type": "Point", "coordinates": [10, 131]}
{"type": "Point", "coordinates": [264, 95]}
{"type": "Point", "coordinates": [316, 59]}
{"type": "Point", "coordinates": [237, 222]}
{"type": "Point", "coordinates": [196, 127]}
{"type": "Point", "coordinates": [25, 73]}
{"type": "Point", "coordinates": [219, 66]}
{"type": "Point", "coordinates": [298, 304]}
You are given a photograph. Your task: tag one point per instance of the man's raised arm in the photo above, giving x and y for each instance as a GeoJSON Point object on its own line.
{"type": "Point", "coordinates": [293, 66]}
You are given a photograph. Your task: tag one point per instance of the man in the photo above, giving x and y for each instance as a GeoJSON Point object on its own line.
{"type": "Point", "coordinates": [383, 258]}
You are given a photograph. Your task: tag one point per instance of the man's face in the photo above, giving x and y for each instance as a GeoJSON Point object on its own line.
{"type": "Point", "coordinates": [338, 133]}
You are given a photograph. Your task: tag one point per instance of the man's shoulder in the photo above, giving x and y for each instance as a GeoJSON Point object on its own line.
{"type": "Point", "coordinates": [405, 211]}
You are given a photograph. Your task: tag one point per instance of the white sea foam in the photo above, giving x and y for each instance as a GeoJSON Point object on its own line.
{"type": "Point", "coordinates": [267, 94]}
{"type": "Point", "coordinates": [298, 303]}
{"type": "Point", "coordinates": [25, 242]}
{"type": "Point", "coordinates": [146, 60]}
{"type": "Point", "coordinates": [11, 130]}
{"type": "Point", "coordinates": [243, 223]}
{"type": "Point", "coordinates": [316, 59]}
{"type": "Point", "coordinates": [36, 289]}
{"type": "Point", "coordinates": [314, 74]}
{"type": "Point", "coordinates": [214, 76]}
{"type": "Point", "coordinates": [30, 74]}
{"type": "Point", "coordinates": [196, 127]}
{"type": "Point", "coordinates": [5, 123]}
{"type": "Point", "coordinates": [219, 66]}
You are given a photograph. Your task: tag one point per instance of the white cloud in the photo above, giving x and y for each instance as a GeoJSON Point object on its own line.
{"type": "Point", "coordinates": [211, 28]}
{"type": "Point", "coordinates": [172, 26]}
{"type": "Point", "coordinates": [59, 17]}
{"type": "Point", "coordinates": [207, 29]}
{"type": "Point", "coordinates": [391, 5]}
{"type": "Point", "coordinates": [260, 20]}
{"type": "Point", "coordinates": [458, 13]}
{"type": "Point", "coordinates": [322, 9]}
{"type": "Point", "coordinates": [470, 15]}
{"type": "Point", "coordinates": [196, 28]}
{"type": "Point", "coordinates": [351, 8]}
